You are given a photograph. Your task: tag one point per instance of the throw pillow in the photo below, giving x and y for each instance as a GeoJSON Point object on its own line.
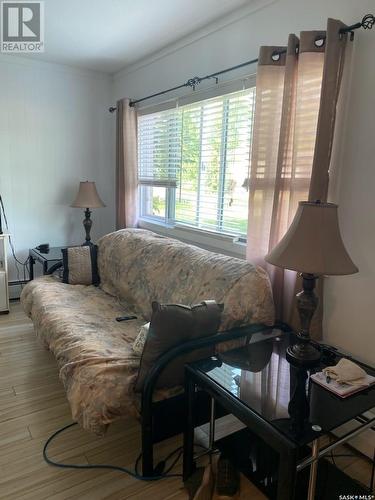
{"type": "Point", "coordinates": [140, 340]}
{"type": "Point", "coordinates": [171, 325]}
{"type": "Point", "coordinates": [80, 265]}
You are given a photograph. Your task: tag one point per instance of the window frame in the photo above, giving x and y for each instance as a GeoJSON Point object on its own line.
{"type": "Point", "coordinates": [168, 222]}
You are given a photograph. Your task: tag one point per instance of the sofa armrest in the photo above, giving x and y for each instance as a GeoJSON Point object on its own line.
{"type": "Point", "coordinates": [55, 267]}
{"type": "Point", "coordinates": [190, 346]}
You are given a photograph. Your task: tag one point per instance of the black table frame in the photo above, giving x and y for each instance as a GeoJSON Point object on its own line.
{"type": "Point", "coordinates": [148, 410]}
{"type": "Point", "coordinates": [37, 256]}
{"type": "Point", "coordinates": [287, 450]}
{"type": "Point", "coordinates": [288, 453]}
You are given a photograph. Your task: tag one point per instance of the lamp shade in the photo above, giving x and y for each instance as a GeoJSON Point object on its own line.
{"type": "Point", "coordinates": [313, 243]}
{"type": "Point", "coordinates": [87, 196]}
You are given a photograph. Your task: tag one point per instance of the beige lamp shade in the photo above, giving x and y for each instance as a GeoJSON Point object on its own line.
{"type": "Point", "coordinates": [313, 243]}
{"type": "Point", "coordinates": [87, 196]}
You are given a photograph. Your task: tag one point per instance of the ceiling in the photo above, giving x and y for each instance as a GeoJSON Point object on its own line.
{"type": "Point", "coordinates": [107, 35]}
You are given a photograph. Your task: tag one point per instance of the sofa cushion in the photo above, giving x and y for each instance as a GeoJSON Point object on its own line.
{"type": "Point", "coordinates": [80, 265]}
{"type": "Point", "coordinates": [140, 267]}
{"type": "Point", "coordinates": [171, 325]}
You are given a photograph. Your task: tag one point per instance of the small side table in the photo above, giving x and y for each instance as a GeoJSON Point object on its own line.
{"type": "Point", "coordinates": [283, 412]}
{"type": "Point", "coordinates": [47, 259]}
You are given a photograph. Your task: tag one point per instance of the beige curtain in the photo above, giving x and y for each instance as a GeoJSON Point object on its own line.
{"type": "Point", "coordinates": [126, 165]}
{"type": "Point", "coordinates": [294, 123]}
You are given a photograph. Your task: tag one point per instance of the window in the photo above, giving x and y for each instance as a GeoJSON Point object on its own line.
{"type": "Point", "coordinates": [193, 163]}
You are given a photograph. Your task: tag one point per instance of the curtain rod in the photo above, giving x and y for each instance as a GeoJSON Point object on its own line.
{"type": "Point", "coordinates": [366, 23]}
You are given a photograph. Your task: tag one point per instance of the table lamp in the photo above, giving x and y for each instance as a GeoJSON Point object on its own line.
{"type": "Point", "coordinates": [312, 246]}
{"type": "Point", "coordinates": [87, 198]}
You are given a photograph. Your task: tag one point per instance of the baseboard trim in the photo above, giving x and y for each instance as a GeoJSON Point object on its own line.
{"type": "Point", "coordinates": [15, 288]}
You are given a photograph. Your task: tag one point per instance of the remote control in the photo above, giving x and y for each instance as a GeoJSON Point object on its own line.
{"type": "Point", "coordinates": [125, 318]}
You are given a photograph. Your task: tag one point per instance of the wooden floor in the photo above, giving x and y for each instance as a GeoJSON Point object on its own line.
{"type": "Point", "coordinates": [33, 406]}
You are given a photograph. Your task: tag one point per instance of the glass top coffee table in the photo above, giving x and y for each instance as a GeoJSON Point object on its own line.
{"type": "Point", "coordinates": [284, 411]}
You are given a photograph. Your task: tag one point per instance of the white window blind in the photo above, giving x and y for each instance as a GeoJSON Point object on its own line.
{"type": "Point", "coordinates": [193, 163]}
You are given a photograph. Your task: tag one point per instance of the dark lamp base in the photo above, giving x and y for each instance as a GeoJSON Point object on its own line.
{"type": "Point", "coordinates": [303, 354]}
{"type": "Point", "coordinates": [87, 223]}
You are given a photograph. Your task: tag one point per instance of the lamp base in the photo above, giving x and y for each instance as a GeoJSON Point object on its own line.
{"type": "Point", "coordinates": [303, 354]}
{"type": "Point", "coordinates": [87, 223]}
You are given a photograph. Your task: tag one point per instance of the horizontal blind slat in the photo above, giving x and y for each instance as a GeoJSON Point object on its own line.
{"type": "Point", "coordinates": [193, 162]}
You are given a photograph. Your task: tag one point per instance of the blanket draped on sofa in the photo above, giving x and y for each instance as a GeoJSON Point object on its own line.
{"type": "Point", "coordinates": [94, 352]}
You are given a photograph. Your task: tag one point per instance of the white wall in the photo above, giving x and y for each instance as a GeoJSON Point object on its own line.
{"type": "Point", "coordinates": [55, 131]}
{"type": "Point", "coordinates": [349, 301]}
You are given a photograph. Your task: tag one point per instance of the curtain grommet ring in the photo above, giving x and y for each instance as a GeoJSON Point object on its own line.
{"type": "Point", "coordinates": [319, 42]}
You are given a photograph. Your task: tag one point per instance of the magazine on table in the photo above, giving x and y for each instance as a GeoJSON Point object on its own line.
{"type": "Point", "coordinates": [340, 389]}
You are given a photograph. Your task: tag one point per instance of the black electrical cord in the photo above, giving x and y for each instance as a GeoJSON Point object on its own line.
{"type": "Point", "coordinates": [105, 466]}
{"type": "Point", "coordinates": [161, 465]}
{"type": "Point", "coordinates": [160, 470]}
{"type": "Point", "coordinates": [353, 455]}
{"type": "Point", "coordinates": [339, 455]}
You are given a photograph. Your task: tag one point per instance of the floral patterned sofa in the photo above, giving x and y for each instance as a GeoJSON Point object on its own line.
{"type": "Point", "coordinates": [94, 352]}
